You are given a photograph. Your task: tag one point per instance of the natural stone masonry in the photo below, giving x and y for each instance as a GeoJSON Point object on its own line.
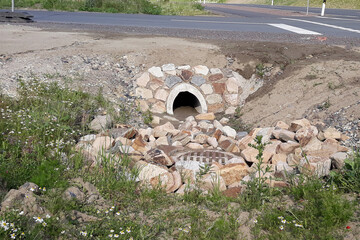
{"type": "Point", "coordinates": [216, 90]}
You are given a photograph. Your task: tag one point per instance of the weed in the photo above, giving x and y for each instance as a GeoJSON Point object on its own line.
{"type": "Point", "coordinates": [310, 77]}
{"type": "Point", "coordinates": [148, 117]}
{"type": "Point", "coordinates": [316, 84]}
{"type": "Point", "coordinates": [260, 69]}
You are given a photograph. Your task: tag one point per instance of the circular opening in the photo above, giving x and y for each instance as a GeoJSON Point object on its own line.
{"type": "Point", "coordinates": [186, 104]}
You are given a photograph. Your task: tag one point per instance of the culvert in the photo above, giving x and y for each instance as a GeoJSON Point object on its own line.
{"type": "Point", "coordinates": [163, 89]}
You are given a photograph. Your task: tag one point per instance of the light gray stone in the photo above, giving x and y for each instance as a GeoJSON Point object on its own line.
{"type": "Point", "coordinates": [230, 132]}
{"type": "Point", "coordinates": [207, 89]}
{"type": "Point", "coordinates": [214, 98]}
{"type": "Point", "coordinates": [168, 67]}
{"type": "Point", "coordinates": [171, 81]}
{"type": "Point", "coordinates": [198, 80]}
{"type": "Point", "coordinates": [200, 69]}
{"type": "Point", "coordinates": [88, 138]}
{"type": "Point", "coordinates": [100, 123]}
{"type": "Point", "coordinates": [190, 165]}
{"type": "Point", "coordinates": [161, 94]}
{"type": "Point", "coordinates": [338, 159]}
{"type": "Point", "coordinates": [156, 72]}
{"type": "Point", "coordinates": [144, 93]}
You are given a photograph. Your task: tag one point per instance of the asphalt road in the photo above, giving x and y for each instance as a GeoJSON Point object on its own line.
{"type": "Point", "coordinates": [244, 19]}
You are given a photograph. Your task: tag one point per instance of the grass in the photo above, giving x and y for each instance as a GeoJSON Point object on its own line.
{"type": "Point", "coordinates": [39, 130]}
{"type": "Point", "coordinates": [155, 7]}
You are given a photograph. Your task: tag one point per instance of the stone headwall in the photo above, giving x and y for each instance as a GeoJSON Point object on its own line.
{"type": "Point", "coordinates": [218, 90]}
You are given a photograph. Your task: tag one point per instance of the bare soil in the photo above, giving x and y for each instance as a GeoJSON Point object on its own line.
{"type": "Point", "coordinates": [317, 80]}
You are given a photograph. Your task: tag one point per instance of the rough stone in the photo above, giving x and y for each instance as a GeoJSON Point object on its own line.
{"type": "Point", "coordinates": [195, 146]}
{"type": "Point", "coordinates": [305, 134]}
{"type": "Point", "coordinates": [214, 98]}
{"type": "Point", "coordinates": [155, 84]}
{"type": "Point", "coordinates": [207, 89]}
{"type": "Point", "coordinates": [216, 108]}
{"type": "Point", "coordinates": [168, 67]}
{"type": "Point", "coordinates": [234, 172]}
{"type": "Point", "coordinates": [164, 180]}
{"type": "Point", "coordinates": [186, 74]}
{"type": "Point", "coordinates": [158, 107]}
{"type": "Point", "coordinates": [161, 94]}
{"type": "Point", "coordinates": [249, 154]}
{"type": "Point", "coordinates": [74, 193]}
{"type": "Point", "coordinates": [201, 138]}
{"type": "Point", "coordinates": [200, 69]}
{"type": "Point", "coordinates": [88, 138]}
{"type": "Point", "coordinates": [230, 110]}
{"type": "Point", "coordinates": [171, 81]}
{"type": "Point", "coordinates": [144, 93]}
{"type": "Point", "coordinates": [148, 170]}
{"type": "Point", "coordinates": [244, 142]}
{"type": "Point", "coordinates": [189, 165]}
{"type": "Point", "coordinates": [230, 132]}
{"type": "Point", "coordinates": [215, 77]}
{"type": "Point", "coordinates": [226, 145]}
{"type": "Point", "coordinates": [279, 157]}
{"type": "Point", "coordinates": [266, 134]}
{"type": "Point", "coordinates": [143, 80]}
{"type": "Point", "coordinates": [282, 125]}
{"type": "Point", "coordinates": [232, 99]}
{"type": "Point", "coordinates": [312, 145]}
{"type": "Point", "coordinates": [287, 147]}
{"type": "Point", "coordinates": [332, 133]}
{"type": "Point", "coordinates": [205, 116]}
{"type": "Point", "coordinates": [315, 165]}
{"type": "Point", "coordinates": [101, 144]}
{"type": "Point", "coordinates": [100, 123]}
{"type": "Point", "coordinates": [219, 88]}
{"type": "Point", "coordinates": [184, 67]}
{"type": "Point", "coordinates": [297, 124]}
{"type": "Point", "coordinates": [283, 134]}
{"type": "Point", "coordinates": [232, 86]}
{"type": "Point", "coordinates": [162, 141]}
{"type": "Point", "coordinates": [156, 72]}
{"type": "Point", "coordinates": [212, 181]}
{"type": "Point", "coordinates": [198, 80]}
{"type": "Point", "coordinates": [338, 159]}
{"type": "Point", "coordinates": [212, 142]}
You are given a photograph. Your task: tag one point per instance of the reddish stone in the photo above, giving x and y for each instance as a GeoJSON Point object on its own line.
{"type": "Point", "coordinates": [232, 192]}
{"type": "Point", "coordinates": [130, 134]}
{"type": "Point", "coordinates": [219, 88]}
{"type": "Point", "coordinates": [215, 77]}
{"type": "Point", "coordinates": [186, 74]}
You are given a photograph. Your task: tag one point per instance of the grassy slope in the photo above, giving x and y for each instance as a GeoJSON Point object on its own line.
{"type": "Point", "coordinates": [350, 4]}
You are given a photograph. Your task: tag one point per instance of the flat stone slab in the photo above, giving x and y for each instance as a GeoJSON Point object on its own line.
{"type": "Point", "coordinates": [204, 156]}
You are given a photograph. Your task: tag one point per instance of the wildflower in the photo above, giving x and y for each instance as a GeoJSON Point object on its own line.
{"type": "Point", "coordinates": [348, 227]}
{"type": "Point", "coordinates": [63, 231]}
{"type": "Point", "coordinates": [298, 225]}
{"type": "Point", "coordinates": [12, 225]}
{"type": "Point", "coordinates": [281, 217]}
{"type": "Point", "coordinates": [38, 219]}
{"type": "Point", "coordinates": [106, 212]}
{"type": "Point", "coordinates": [111, 230]}
{"type": "Point", "coordinates": [13, 236]}
{"type": "Point", "coordinates": [281, 227]}
{"type": "Point", "coordinates": [180, 229]}
{"type": "Point", "coordinates": [110, 235]}
{"type": "Point", "coordinates": [122, 232]}
{"type": "Point", "coordinates": [44, 224]}
{"type": "Point", "coordinates": [21, 213]}
{"type": "Point", "coordinates": [83, 233]}
{"type": "Point", "coordinates": [283, 221]}
{"type": "Point", "coordinates": [47, 216]}
{"type": "Point", "coordinates": [128, 230]}
{"type": "Point", "coordinates": [44, 189]}
{"type": "Point", "coordinates": [116, 235]}
{"type": "Point", "coordinates": [22, 234]}
{"type": "Point", "coordinates": [131, 238]}
{"type": "Point", "coordinates": [4, 225]}
{"type": "Point", "coordinates": [255, 221]}
{"type": "Point", "coordinates": [32, 189]}
{"type": "Point", "coordinates": [185, 230]}
{"type": "Point", "coordinates": [118, 213]}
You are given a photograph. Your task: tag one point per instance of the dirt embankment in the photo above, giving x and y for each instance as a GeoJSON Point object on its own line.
{"type": "Point", "coordinates": [319, 82]}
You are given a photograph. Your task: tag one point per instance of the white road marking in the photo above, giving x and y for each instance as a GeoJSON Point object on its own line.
{"type": "Point", "coordinates": [294, 29]}
{"type": "Point", "coordinates": [345, 19]}
{"type": "Point", "coordinates": [203, 21]}
{"type": "Point", "coordinates": [326, 25]}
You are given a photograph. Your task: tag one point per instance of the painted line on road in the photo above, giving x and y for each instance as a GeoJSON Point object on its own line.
{"type": "Point", "coordinates": [326, 25]}
{"type": "Point", "coordinates": [203, 21]}
{"type": "Point", "coordinates": [345, 19]}
{"type": "Point", "coordinates": [294, 29]}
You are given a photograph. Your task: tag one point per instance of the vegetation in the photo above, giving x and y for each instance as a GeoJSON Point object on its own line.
{"type": "Point", "coordinates": [350, 4]}
{"type": "Point", "coordinates": [39, 130]}
{"type": "Point", "coordinates": [164, 7]}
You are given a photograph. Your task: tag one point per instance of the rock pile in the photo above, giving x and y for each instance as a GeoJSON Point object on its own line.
{"type": "Point", "coordinates": [172, 158]}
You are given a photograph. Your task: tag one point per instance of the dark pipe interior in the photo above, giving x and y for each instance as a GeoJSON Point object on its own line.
{"type": "Point", "coordinates": [186, 99]}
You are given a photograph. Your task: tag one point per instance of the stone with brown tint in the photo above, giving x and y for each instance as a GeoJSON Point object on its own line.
{"type": "Point", "coordinates": [288, 147]}
{"type": "Point", "coordinates": [219, 88]}
{"type": "Point", "coordinates": [212, 181]}
{"type": "Point", "coordinates": [155, 84]}
{"type": "Point", "coordinates": [270, 150]}
{"type": "Point", "coordinates": [305, 134]}
{"type": "Point", "coordinates": [232, 99]}
{"type": "Point", "coordinates": [195, 146]}
{"type": "Point", "coordinates": [158, 156]}
{"type": "Point", "coordinates": [162, 141]}
{"type": "Point", "coordinates": [148, 171]}
{"type": "Point", "coordinates": [216, 77]}
{"type": "Point", "coordinates": [333, 146]}
{"type": "Point", "coordinates": [315, 165]}
{"type": "Point", "coordinates": [158, 107]}
{"type": "Point", "coordinates": [161, 94]}
{"type": "Point", "coordinates": [313, 144]}
{"type": "Point", "coordinates": [282, 125]}
{"type": "Point", "coordinates": [227, 145]}
{"type": "Point", "coordinates": [201, 138]}
{"type": "Point", "coordinates": [131, 133]}
{"type": "Point", "coordinates": [244, 142]}
{"type": "Point", "coordinates": [232, 173]}
{"type": "Point", "coordinates": [140, 145]}
{"type": "Point", "coordinates": [216, 108]}
{"type": "Point", "coordinates": [297, 124]}
{"type": "Point", "coordinates": [143, 80]}
{"type": "Point", "coordinates": [217, 134]}
{"type": "Point", "coordinates": [205, 116]}
{"type": "Point", "coordinates": [232, 192]}
{"type": "Point", "coordinates": [186, 74]}
{"type": "Point", "coordinates": [177, 181]}
{"type": "Point", "coordinates": [101, 144]}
